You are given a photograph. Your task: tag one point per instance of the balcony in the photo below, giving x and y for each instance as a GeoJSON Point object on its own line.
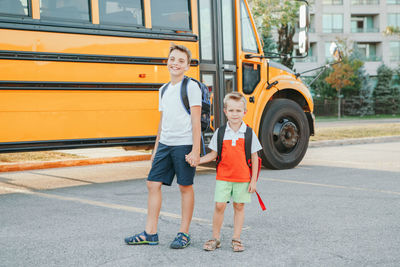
{"type": "Point", "coordinates": [371, 58]}
{"type": "Point", "coordinates": [394, 58]}
{"type": "Point", "coordinates": [365, 2]}
{"type": "Point", "coordinates": [332, 30]}
{"type": "Point", "coordinates": [364, 30]}
{"type": "Point", "coordinates": [306, 59]}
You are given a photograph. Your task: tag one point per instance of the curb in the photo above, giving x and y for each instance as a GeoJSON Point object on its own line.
{"type": "Point", "coordinates": [25, 166]}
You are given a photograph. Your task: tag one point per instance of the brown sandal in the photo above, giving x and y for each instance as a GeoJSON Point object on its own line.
{"type": "Point", "coordinates": [212, 244]}
{"type": "Point", "coordinates": [237, 245]}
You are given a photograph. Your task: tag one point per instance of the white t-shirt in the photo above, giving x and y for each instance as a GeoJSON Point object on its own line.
{"type": "Point", "coordinates": [176, 127]}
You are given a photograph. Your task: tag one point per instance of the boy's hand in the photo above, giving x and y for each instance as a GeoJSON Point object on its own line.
{"type": "Point", "coordinates": [193, 159]}
{"type": "Point", "coordinates": [252, 186]}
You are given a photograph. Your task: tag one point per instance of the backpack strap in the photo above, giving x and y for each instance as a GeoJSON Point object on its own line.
{"type": "Point", "coordinates": [248, 136]}
{"type": "Point", "coordinates": [164, 88]}
{"type": "Point", "coordinates": [220, 140]}
{"type": "Point", "coordinates": [184, 94]}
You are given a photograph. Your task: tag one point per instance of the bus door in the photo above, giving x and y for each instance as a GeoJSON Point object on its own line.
{"type": "Point", "coordinates": [218, 52]}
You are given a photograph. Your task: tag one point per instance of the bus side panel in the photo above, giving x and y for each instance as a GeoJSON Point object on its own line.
{"type": "Point", "coordinates": [89, 99]}
{"type": "Point", "coordinates": [57, 115]}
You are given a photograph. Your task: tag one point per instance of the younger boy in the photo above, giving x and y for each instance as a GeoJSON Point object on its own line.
{"type": "Point", "coordinates": [177, 150]}
{"type": "Point", "coordinates": [233, 174]}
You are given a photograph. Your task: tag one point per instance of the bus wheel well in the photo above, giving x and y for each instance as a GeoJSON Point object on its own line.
{"type": "Point", "coordinates": [297, 97]}
{"type": "Point", "coordinates": [294, 95]}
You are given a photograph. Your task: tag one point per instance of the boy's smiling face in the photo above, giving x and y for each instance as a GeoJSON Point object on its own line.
{"type": "Point", "coordinates": [235, 111]}
{"type": "Point", "coordinates": [177, 63]}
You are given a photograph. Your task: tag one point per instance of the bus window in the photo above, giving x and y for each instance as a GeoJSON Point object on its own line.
{"type": "Point", "coordinates": [14, 7]}
{"type": "Point", "coordinates": [172, 14]}
{"type": "Point", "coordinates": [65, 9]}
{"type": "Point", "coordinates": [249, 43]}
{"type": "Point", "coordinates": [121, 12]}
{"type": "Point", "coordinates": [206, 33]}
{"type": "Point", "coordinates": [251, 77]}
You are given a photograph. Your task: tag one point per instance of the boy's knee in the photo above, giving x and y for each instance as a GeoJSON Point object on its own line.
{"type": "Point", "coordinates": [238, 206]}
{"type": "Point", "coordinates": [186, 188]}
{"type": "Point", "coordinates": [220, 206]}
{"type": "Point", "coordinates": [153, 186]}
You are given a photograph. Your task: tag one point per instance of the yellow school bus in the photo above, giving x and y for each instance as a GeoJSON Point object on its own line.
{"type": "Point", "coordinates": [86, 73]}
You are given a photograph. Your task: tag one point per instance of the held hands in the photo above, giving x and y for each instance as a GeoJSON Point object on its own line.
{"type": "Point", "coordinates": [252, 186]}
{"type": "Point", "coordinates": [193, 159]}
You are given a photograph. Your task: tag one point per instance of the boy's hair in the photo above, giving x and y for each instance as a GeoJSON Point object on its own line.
{"type": "Point", "coordinates": [237, 97]}
{"type": "Point", "coordinates": [181, 48]}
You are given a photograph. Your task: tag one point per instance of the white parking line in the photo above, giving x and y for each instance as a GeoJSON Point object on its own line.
{"type": "Point", "coordinates": [100, 204]}
{"type": "Point", "coordinates": [331, 186]}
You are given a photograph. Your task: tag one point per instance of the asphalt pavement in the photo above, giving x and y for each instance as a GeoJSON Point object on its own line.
{"type": "Point", "coordinates": [339, 207]}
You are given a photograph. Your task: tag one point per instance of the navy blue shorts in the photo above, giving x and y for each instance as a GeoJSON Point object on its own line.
{"type": "Point", "coordinates": [170, 160]}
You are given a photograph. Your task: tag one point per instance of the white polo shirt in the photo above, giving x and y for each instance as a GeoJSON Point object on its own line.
{"type": "Point", "coordinates": [176, 122]}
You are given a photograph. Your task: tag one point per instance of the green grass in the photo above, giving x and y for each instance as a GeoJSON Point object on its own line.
{"type": "Point", "coordinates": [356, 131]}
{"type": "Point", "coordinates": [369, 117]}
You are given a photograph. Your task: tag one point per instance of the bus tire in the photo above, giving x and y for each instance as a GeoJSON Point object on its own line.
{"type": "Point", "coordinates": [284, 135]}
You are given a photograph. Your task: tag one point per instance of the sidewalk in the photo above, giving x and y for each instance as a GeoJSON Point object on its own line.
{"type": "Point", "coordinates": [92, 156]}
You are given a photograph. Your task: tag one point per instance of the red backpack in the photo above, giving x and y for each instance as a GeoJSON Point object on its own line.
{"type": "Point", "coordinates": [248, 136]}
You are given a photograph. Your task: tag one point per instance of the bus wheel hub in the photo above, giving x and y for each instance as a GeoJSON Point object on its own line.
{"type": "Point", "coordinates": [286, 135]}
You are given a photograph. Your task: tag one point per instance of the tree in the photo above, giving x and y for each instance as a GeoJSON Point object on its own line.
{"type": "Point", "coordinates": [339, 78]}
{"type": "Point", "coordinates": [386, 94]}
{"type": "Point", "coordinates": [281, 15]}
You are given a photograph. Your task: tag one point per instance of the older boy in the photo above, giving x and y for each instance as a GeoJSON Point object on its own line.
{"type": "Point", "coordinates": [233, 174]}
{"type": "Point", "coordinates": [178, 136]}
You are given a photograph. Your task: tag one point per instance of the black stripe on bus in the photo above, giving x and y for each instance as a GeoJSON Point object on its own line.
{"type": "Point", "coordinates": [41, 85]}
{"type": "Point", "coordinates": [95, 29]}
{"type": "Point", "coordinates": [87, 58]}
{"type": "Point", "coordinates": [76, 143]}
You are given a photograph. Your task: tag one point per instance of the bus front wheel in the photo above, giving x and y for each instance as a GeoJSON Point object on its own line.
{"type": "Point", "coordinates": [284, 135]}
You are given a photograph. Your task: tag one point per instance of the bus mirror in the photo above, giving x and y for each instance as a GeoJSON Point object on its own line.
{"type": "Point", "coordinates": [303, 42]}
{"type": "Point", "coordinates": [304, 16]}
{"type": "Point", "coordinates": [335, 52]}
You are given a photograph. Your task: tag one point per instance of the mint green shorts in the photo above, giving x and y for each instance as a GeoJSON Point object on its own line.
{"type": "Point", "coordinates": [238, 192]}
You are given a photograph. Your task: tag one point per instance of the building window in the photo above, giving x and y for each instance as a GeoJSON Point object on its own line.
{"type": "Point", "coordinates": [14, 7]}
{"type": "Point", "coordinates": [367, 51]}
{"type": "Point", "coordinates": [65, 9]}
{"type": "Point", "coordinates": [393, 2]}
{"type": "Point", "coordinates": [365, 2]}
{"type": "Point", "coordinates": [394, 19]}
{"type": "Point", "coordinates": [121, 12]}
{"type": "Point", "coordinates": [363, 24]}
{"type": "Point", "coordinates": [332, 2]}
{"type": "Point", "coordinates": [332, 23]}
{"type": "Point", "coordinates": [394, 51]}
{"type": "Point", "coordinates": [172, 14]}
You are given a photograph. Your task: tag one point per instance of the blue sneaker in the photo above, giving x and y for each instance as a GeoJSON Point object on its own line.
{"type": "Point", "coordinates": [138, 240]}
{"type": "Point", "coordinates": [180, 242]}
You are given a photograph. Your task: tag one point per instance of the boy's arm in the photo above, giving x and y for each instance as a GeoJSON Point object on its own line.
{"type": "Point", "coordinates": [254, 170]}
{"type": "Point", "coordinates": [193, 157]}
{"type": "Point", "coordinates": [209, 157]}
{"type": "Point", "coordinates": [157, 138]}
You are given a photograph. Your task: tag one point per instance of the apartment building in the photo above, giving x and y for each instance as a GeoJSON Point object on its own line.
{"type": "Point", "coordinates": [360, 21]}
